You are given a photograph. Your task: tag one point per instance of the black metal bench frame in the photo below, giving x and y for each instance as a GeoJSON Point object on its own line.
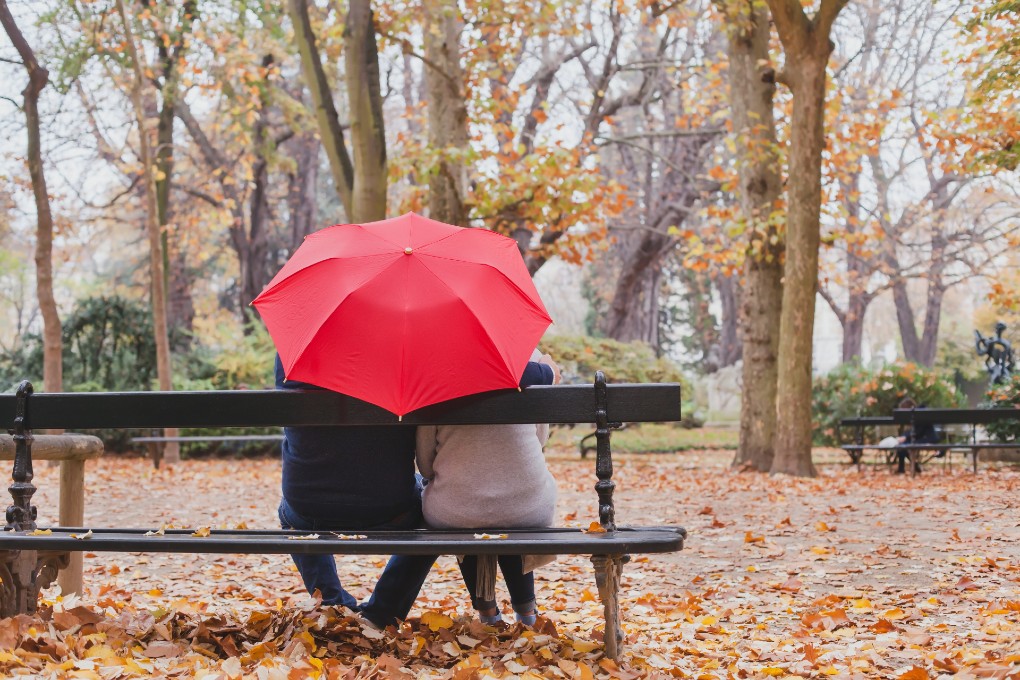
{"type": "Point", "coordinates": [29, 560]}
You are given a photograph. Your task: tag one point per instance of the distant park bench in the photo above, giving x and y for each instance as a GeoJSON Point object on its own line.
{"type": "Point", "coordinates": [961, 428]}
{"type": "Point", "coordinates": [30, 555]}
{"type": "Point", "coordinates": [155, 443]}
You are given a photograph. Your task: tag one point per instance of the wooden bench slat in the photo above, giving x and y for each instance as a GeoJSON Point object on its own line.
{"type": "Point", "coordinates": [558, 404]}
{"type": "Point", "coordinates": [421, 542]}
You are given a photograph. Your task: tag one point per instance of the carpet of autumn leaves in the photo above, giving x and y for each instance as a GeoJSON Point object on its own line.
{"type": "Point", "coordinates": [847, 576]}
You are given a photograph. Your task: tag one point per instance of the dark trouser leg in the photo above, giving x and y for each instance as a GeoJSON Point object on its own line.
{"type": "Point", "coordinates": [397, 589]}
{"type": "Point", "coordinates": [318, 572]}
{"type": "Point", "coordinates": [901, 461]}
{"type": "Point", "coordinates": [469, 572]}
{"type": "Point", "coordinates": [520, 585]}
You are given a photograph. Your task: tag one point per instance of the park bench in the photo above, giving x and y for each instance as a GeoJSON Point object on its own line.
{"type": "Point", "coordinates": [974, 441]}
{"type": "Point", "coordinates": [155, 443]}
{"type": "Point", "coordinates": [30, 556]}
{"type": "Point", "coordinates": [948, 421]}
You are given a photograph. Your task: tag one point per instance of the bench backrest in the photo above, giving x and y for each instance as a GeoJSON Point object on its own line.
{"type": "Point", "coordinates": [558, 404]}
{"type": "Point", "coordinates": [954, 416]}
{"type": "Point", "coordinates": [863, 421]}
{"type": "Point", "coordinates": [604, 405]}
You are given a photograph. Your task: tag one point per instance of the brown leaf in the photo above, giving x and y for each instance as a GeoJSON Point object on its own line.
{"type": "Point", "coordinates": [915, 673]}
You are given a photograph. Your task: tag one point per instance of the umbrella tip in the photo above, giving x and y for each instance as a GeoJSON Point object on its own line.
{"type": "Point", "coordinates": [400, 419]}
{"type": "Point", "coordinates": [519, 388]}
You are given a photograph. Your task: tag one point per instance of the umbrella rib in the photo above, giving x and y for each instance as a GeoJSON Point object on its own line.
{"type": "Point", "coordinates": [497, 269]}
{"type": "Point", "coordinates": [336, 307]}
{"type": "Point", "coordinates": [485, 331]}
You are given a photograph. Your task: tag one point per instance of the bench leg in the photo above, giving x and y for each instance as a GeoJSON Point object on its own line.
{"type": "Point", "coordinates": [974, 456]}
{"type": "Point", "coordinates": [608, 569]}
{"type": "Point", "coordinates": [72, 514]}
{"type": "Point", "coordinates": [24, 574]}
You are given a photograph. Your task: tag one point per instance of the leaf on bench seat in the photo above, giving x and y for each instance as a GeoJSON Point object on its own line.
{"type": "Point", "coordinates": [307, 537]}
{"type": "Point", "coordinates": [201, 532]}
{"type": "Point", "coordinates": [158, 532]}
{"type": "Point", "coordinates": [595, 528]}
{"type": "Point", "coordinates": [41, 532]}
{"type": "Point", "coordinates": [491, 536]}
{"type": "Point", "coordinates": [87, 534]}
{"type": "Point", "coordinates": [348, 537]}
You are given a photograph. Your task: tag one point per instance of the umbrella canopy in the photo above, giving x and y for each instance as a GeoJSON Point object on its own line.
{"type": "Point", "coordinates": [404, 312]}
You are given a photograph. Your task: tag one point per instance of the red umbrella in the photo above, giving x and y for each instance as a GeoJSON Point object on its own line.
{"type": "Point", "coordinates": [404, 312]}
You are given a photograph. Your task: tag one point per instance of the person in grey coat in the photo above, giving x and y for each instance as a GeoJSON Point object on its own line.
{"type": "Point", "coordinates": [489, 476]}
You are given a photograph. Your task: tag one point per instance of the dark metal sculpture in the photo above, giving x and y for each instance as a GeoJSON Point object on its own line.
{"type": "Point", "coordinates": [998, 354]}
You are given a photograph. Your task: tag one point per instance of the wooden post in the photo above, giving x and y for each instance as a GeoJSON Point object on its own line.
{"type": "Point", "coordinates": [72, 450]}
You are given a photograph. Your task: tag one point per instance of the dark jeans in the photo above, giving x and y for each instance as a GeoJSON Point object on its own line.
{"type": "Point", "coordinates": [520, 585]}
{"type": "Point", "coordinates": [398, 586]}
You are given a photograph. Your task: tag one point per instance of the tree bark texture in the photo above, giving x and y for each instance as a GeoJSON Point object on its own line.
{"type": "Point", "coordinates": [171, 55]}
{"type": "Point", "coordinates": [730, 301]}
{"type": "Point", "coordinates": [447, 111]}
{"type": "Point", "coordinates": [301, 191]}
{"type": "Point", "coordinates": [38, 77]}
{"type": "Point", "coordinates": [807, 48]}
{"type": "Point", "coordinates": [752, 90]}
{"type": "Point", "coordinates": [330, 132]}
{"type": "Point", "coordinates": [364, 93]}
{"type": "Point", "coordinates": [159, 324]}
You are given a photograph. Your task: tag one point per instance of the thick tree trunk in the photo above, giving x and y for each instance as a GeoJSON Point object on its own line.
{"type": "Point", "coordinates": [752, 90]}
{"type": "Point", "coordinates": [364, 93]}
{"type": "Point", "coordinates": [803, 236]}
{"type": "Point", "coordinates": [807, 47]}
{"type": "Point", "coordinates": [447, 108]}
{"type": "Point", "coordinates": [159, 324]}
{"type": "Point", "coordinates": [325, 111]}
{"type": "Point", "coordinates": [38, 77]}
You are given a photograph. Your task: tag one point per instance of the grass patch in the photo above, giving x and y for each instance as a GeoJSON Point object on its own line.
{"type": "Point", "coordinates": [654, 438]}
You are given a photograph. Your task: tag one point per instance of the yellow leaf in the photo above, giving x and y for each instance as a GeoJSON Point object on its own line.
{"type": "Point", "coordinates": [773, 671]}
{"type": "Point", "coordinates": [436, 621]}
{"type": "Point", "coordinates": [584, 646]}
{"type": "Point", "coordinates": [41, 532]}
{"type": "Point", "coordinates": [595, 528]}
{"type": "Point", "coordinates": [201, 532]}
{"type": "Point", "coordinates": [306, 537]}
{"type": "Point", "coordinates": [87, 534]}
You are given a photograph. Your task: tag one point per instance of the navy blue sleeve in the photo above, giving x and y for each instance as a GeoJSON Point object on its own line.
{"type": "Point", "coordinates": [537, 374]}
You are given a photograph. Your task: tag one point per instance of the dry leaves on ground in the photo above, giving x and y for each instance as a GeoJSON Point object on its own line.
{"type": "Point", "coordinates": [846, 576]}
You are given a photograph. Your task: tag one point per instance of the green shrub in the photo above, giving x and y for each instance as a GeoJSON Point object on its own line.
{"type": "Point", "coordinates": [1004, 396]}
{"type": "Point", "coordinates": [579, 356]}
{"type": "Point", "coordinates": [851, 390]}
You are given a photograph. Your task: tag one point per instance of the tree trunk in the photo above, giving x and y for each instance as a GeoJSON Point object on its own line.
{"type": "Point", "coordinates": [159, 325]}
{"type": "Point", "coordinates": [325, 111]}
{"type": "Point", "coordinates": [853, 327]}
{"type": "Point", "coordinates": [176, 279]}
{"type": "Point", "coordinates": [301, 191]}
{"type": "Point", "coordinates": [633, 313]}
{"type": "Point", "coordinates": [807, 47]}
{"type": "Point", "coordinates": [38, 77]}
{"type": "Point", "coordinates": [447, 107]}
{"type": "Point", "coordinates": [364, 93]}
{"type": "Point", "coordinates": [752, 90]}
{"type": "Point", "coordinates": [729, 320]}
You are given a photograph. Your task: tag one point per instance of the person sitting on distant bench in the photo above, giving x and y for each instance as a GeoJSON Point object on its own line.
{"type": "Point", "coordinates": [925, 433]}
